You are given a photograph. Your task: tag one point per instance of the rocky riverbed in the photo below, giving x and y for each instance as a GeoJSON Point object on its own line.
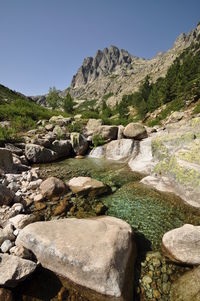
{"type": "Point", "coordinates": [91, 221]}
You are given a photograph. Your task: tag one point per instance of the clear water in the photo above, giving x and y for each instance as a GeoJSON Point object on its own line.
{"type": "Point", "coordinates": [149, 212]}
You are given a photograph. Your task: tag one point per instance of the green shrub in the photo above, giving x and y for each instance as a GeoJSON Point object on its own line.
{"type": "Point", "coordinates": [98, 140]}
{"type": "Point", "coordinates": [76, 126]}
{"type": "Point", "coordinates": [6, 134]}
{"type": "Point", "coordinates": [90, 114]}
{"type": "Point", "coordinates": [196, 109]}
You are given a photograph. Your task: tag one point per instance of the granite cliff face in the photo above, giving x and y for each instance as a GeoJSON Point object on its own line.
{"type": "Point", "coordinates": [118, 72]}
{"type": "Point", "coordinates": [104, 63]}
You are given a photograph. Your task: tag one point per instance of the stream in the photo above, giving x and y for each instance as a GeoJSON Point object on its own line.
{"type": "Point", "coordinates": [149, 212]}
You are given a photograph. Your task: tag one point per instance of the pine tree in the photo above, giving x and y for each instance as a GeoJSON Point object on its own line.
{"type": "Point", "coordinates": [68, 103]}
{"type": "Point", "coordinates": [53, 98]}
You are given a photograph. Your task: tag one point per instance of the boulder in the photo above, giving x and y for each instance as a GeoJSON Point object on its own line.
{"type": "Point", "coordinates": [20, 251]}
{"type": "Point", "coordinates": [60, 120]}
{"type": "Point", "coordinates": [6, 160]}
{"type": "Point", "coordinates": [87, 185]}
{"type": "Point", "coordinates": [175, 117]}
{"type": "Point", "coordinates": [120, 149]}
{"type": "Point", "coordinates": [14, 269]}
{"type": "Point", "coordinates": [187, 287]}
{"type": "Point", "coordinates": [159, 183]}
{"type": "Point", "coordinates": [135, 130]}
{"type": "Point", "coordinates": [49, 127]}
{"type": "Point", "coordinates": [39, 154]}
{"type": "Point", "coordinates": [93, 125]}
{"type": "Point", "coordinates": [182, 245]}
{"type": "Point", "coordinates": [14, 149]}
{"type": "Point", "coordinates": [6, 233]}
{"type": "Point", "coordinates": [120, 134]}
{"type": "Point", "coordinates": [79, 144]}
{"type": "Point", "coordinates": [6, 246]}
{"type": "Point", "coordinates": [142, 161]}
{"type": "Point", "coordinates": [6, 195]}
{"type": "Point", "coordinates": [97, 253]}
{"type": "Point", "coordinates": [108, 132]}
{"type": "Point", "coordinates": [21, 220]}
{"type": "Point", "coordinates": [52, 187]}
{"type": "Point", "coordinates": [63, 148]}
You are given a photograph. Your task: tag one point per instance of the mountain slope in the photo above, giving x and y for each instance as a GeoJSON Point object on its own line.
{"type": "Point", "coordinates": [8, 95]}
{"type": "Point", "coordinates": [117, 73]}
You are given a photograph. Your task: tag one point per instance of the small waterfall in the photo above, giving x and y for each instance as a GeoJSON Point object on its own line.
{"type": "Point", "coordinates": [143, 162]}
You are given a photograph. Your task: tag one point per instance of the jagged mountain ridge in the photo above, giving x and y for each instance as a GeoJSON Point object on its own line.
{"type": "Point", "coordinates": [118, 72]}
{"type": "Point", "coordinates": [104, 63]}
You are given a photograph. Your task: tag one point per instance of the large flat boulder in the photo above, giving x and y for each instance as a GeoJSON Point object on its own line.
{"type": "Point", "coordinates": [176, 152]}
{"type": "Point", "coordinates": [87, 185]}
{"type": "Point", "coordinates": [135, 130]}
{"type": "Point", "coordinates": [121, 149]}
{"type": "Point", "coordinates": [97, 253]}
{"type": "Point", "coordinates": [183, 244]}
{"type": "Point", "coordinates": [14, 269]}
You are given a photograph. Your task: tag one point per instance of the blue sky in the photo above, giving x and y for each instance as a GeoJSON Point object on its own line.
{"type": "Point", "coordinates": [43, 42]}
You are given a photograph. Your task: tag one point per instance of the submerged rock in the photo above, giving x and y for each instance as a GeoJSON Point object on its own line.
{"type": "Point", "coordinates": [187, 287]}
{"type": "Point", "coordinates": [95, 253]}
{"type": "Point", "coordinates": [14, 269]}
{"type": "Point", "coordinates": [183, 244]}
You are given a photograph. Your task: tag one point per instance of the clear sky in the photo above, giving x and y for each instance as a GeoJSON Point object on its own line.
{"type": "Point", "coordinates": [43, 42]}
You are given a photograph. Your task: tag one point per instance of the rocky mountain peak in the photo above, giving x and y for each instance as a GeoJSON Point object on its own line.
{"type": "Point", "coordinates": [115, 72]}
{"type": "Point", "coordinates": [103, 63]}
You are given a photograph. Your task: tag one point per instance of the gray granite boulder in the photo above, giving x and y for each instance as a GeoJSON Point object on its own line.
{"type": "Point", "coordinates": [97, 253]}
